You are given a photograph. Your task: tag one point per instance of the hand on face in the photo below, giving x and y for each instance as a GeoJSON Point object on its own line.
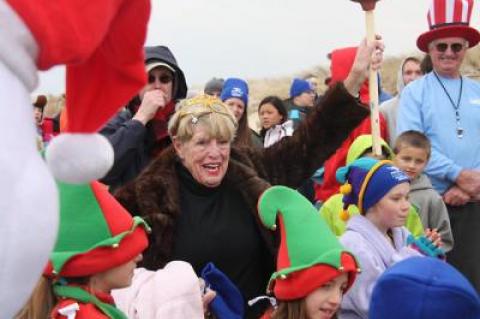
{"type": "Point", "coordinates": [151, 102]}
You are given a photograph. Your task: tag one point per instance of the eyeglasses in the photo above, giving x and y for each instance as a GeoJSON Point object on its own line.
{"type": "Point", "coordinates": [164, 79]}
{"type": "Point", "coordinates": [455, 47]}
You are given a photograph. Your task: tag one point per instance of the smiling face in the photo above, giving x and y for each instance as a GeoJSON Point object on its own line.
{"type": "Point", "coordinates": [412, 160]}
{"type": "Point", "coordinates": [323, 302]}
{"type": "Point", "coordinates": [115, 278]}
{"type": "Point", "coordinates": [269, 116]}
{"type": "Point", "coordinates": [392, 209]}
{"type": "Point", "coordinates": [447, 63]}
{"type": "Point", "coordinates": [204, 156]}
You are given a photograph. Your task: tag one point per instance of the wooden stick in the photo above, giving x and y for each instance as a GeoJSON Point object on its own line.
{"type": "Point", "coordinates": [373, 90]}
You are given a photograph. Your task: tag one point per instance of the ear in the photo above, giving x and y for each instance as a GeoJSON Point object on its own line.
{"type": "Point", "coordinates": [178, 146]}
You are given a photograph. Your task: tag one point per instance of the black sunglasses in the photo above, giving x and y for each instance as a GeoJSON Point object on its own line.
{"type": "Point", "coordinates": [455, 47]}
{"type": "Point", "coordinates": [164, 79]}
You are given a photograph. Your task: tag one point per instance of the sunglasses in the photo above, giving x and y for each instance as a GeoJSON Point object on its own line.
{"type": "Point", "coordinates": [455, 47]}
{"type": "Point", "coordinates": [164, 79]}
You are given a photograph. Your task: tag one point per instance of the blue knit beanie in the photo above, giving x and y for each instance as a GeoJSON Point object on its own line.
{"type": "Point", "coordinates": [299, 86]}
{"type": "Point", "coordinates": [234, 87]}
{"type": "Point", "coordinates": [423, 287]}
{"type": "Point", "coordinates": [367, 180]}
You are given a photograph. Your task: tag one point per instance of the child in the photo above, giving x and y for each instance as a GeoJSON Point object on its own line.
{"type": "Point", "coordinates": [412, 152]}
{"type": "Point", "coordinates": [376, 236]}
{"type": "Point", "coordinates": [332, 208]}
{"type": "Point", "coordinates": [313, 269]}
{"type": "Point", "coordinates": [97, 249]}
{"type": "Point", "coordinates": [427, 288]}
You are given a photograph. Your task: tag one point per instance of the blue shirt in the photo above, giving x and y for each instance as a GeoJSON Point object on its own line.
{"type": "Point", "coordinates": [425, 107]}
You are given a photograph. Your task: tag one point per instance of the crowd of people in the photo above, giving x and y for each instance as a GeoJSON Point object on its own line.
{"type": "Point", "coordinates": [201, 216]}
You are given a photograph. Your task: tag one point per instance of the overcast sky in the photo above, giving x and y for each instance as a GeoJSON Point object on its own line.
{"type": "Point", "coordinates": [268, 38]}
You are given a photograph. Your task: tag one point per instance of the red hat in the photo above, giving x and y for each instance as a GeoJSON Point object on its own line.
{"type": "Point", "coordinates": [449, 18]}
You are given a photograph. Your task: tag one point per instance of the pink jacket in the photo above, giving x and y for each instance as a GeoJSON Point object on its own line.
{"type": "Point", "coordinates": [172, 292]}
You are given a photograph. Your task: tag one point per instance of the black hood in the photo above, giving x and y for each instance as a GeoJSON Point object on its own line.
{"type": "Point", "coordinates": [163, 54]}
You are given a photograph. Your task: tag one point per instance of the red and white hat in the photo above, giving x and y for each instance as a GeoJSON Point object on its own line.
{"type": "Point", "coordinates": [449, 18]}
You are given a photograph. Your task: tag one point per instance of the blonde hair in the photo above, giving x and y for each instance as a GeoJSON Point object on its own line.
{"type": "Point", "coordinates": [204, 110]}
{"type": "Point", "coordinates": [41, 302]}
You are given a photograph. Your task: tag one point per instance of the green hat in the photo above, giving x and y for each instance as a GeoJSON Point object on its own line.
{"type": "Point", "coordinates": [309, 255]}
{"type": "Point", "coordinates": [95, 234]}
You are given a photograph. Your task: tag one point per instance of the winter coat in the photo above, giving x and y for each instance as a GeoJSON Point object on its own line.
{"type": "Point", "coordinates": [431, 208]}
{"type": "Point", "coordinates": [172, 292]}
{"type": "Point", "coordinates": [155, 193]}
{"type": "Point", "coordinates": [375, 254]}
{"type": "Point", "coordinates": [342, 61]}
{"type": "Point", "coordinates": [389, 108]}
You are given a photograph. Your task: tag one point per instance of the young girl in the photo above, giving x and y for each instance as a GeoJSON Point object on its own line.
{"type": "Point", "coordinates": [274, 120]}
{"type": "Point", "coordinates": [313, 269]}
{"type": "Point", "coordinates": [97, 249]}
{"type": "Point", "coordinates": [377, 236]}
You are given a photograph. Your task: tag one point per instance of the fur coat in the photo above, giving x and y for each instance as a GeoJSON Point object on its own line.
{"type": "Point", "coordinates": [154, 194]}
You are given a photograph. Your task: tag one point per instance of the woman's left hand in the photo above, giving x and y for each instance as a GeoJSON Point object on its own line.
{"type": "Point", "coordinates": [369, 56]}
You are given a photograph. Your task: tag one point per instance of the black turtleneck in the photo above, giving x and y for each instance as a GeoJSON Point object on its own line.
{"type": "Point", "coordinates": [216, 225]}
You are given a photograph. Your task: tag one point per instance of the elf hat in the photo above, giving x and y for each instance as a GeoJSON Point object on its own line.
{"type": "Point", "coordinates": [309, 255]}
{"type": "Point", "coordinates": [424, 286]}
{"type": "Point", "coordinates": [365, 182]}
{"type": "Point", "coordinates": [449, 18]}
{"type": "Point", "coordinates": [95, 234]}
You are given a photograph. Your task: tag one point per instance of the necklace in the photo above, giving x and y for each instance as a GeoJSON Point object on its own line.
{"type": "Point", "coordinates": [456, 106]}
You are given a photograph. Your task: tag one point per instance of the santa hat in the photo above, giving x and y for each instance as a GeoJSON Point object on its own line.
{"type": "Point", "coordinates": [309, 255]}
{"type": "Point", "coordinates": [421, 286]}
{"type": "Point", "coordinates": [365, 182]}
{"type": "Point", "coordinates": [96, 233]}
{"type": "Point", "coordinates": [105, 69]}
{"type": "Point", "coordinates": [449, 18]}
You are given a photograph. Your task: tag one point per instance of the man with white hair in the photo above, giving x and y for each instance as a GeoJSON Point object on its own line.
{"type": "Point", "coordinates": [445, 106]}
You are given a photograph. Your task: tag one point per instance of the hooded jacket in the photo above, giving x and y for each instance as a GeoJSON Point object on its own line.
{"type": "Point", "coordinates": [431, 209]}
{"type": "Point", "coordinates": [131, 140]}
{"type": "Point", "coordinates": [389, 108]}
{"type": "Point", "coordinates": [331, 209]}
{"type": "Point", "coordinates": [342, 61]}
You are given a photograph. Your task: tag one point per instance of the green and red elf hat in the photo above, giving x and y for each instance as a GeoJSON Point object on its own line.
{"type": "Point", "coordinates": [95, 234]}
{"type": "Point", "coordinates": [309, 255]}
